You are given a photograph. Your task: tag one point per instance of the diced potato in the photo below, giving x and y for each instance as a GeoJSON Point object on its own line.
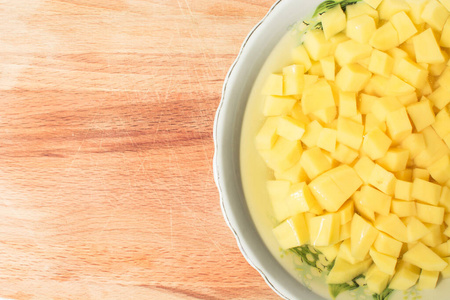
{"type": "Point", "coordinates": [376, 279]}
{"type": "Point", "coordinates": [403, 190]}
{"type": "Point", "coordinates": [352, 78]}
{"type": "Point", "coordinates": [349, 133]}
{"type": "Point", "coordinates": [300, 56]}
{"type": "Point", "coordinates": [428, 280]}
{"type": "Point", "coordinates": [376, 144]}
{"type": "Point", "coordinates": [333, 21]}
{"type": "Point", "coordinates": [278, 190]}
{"type": "Point", "coordinates": [404, 26]}
{"type": "Point", "coordinates": [385, 37]}
{"type": "Point", "coordinates": [283, 155]}
{"type": "Point", "coordinates": [328, 67]}
{"type": "Point", "coordinates": [440, 97]}
{"type": "Point", "coordinates": [366, 102]}
{"type": "Point", "coordinates": [293, 79]}
{"type": "Point", "coordinates": [361, 28]}
{"type": "Point", "coordinates": [446, 272]}
{"type": "Point", "coordinates": [364, 168]}
{"type": "Point", "coordinates": [267, 135]}
{"type": "Point", "coordinates": [376, 86]}
{"type": "Point", "coordinates": [373, 3]}
{"type": "Point", "coordinates": [361, 209]}
{"type": "Point", "coordinates": [382, 180]}
{"type": "Point", "coordinates": [314, 162]}
{"type": "Point", "coordinates": [361, 8]}
{"type": "Point", "coordinates": [405, 277]}
{"type": "Point", "coordinates": [384, 262]}
{"type": "Point", "coordinates": [415, 143]}
{"type": "Point", "coordinates": [327, 139]}
{"type": "Point", "coordinates": [316, 44]}
{"type": "Point", "coordinates": [405, 175]}
{"type": "Point", "coordinates": [344, 271]}
{"type": "Point", "coordinates": [330, 252]}
{"type": "Point", "coordinates": [278, 105]}
{"type": "Point", "coordinates": [381, 63]}
{"type": "Point", "coordinates": [311, 134]}
{"type": "Point", "coordinates": [345, 252]}
{"type": "Point", "coordinates": [387, 245]}
{"type": "Point", "coordinates": [403, 208]}
{"type": "Point", "coordinates": [363, 235]}
{"type": "Point", "coordinates": [424, 258]}
{"type": "Point", "coordinates": [434, 237]}
{"type": "Point", "coordinates": [347, 104]}
{"type": "Point", "coordinates": [392, 225]}
{"type": "Point", "coordinates": [300, 199]}
{"type": "Point", "coordinates": [430, 213]}
{"type": "Point", "coordinates": [324, 229]}
{"type": "Point", "coordinates": [274, 85]}
{"type": "Point", "coordinates": [294, 174]}
{"type": "Point", "coordinates": [445, 36]}
{"type": "Point", "coordinates": [382, 106]}
{"type": "Point", "coordinates": [290, 128]}
{"type": "Point", "coordinates": [317, 96]}
{"type": "Point", "coordinates": [446, 4]}
{"type": "Point", "coordinates": [388, 8]}
{"type": "Point", "coordinates": [398, 124]}
{"type": "Point", "coordinates": [444, 201]}
{"type": "Point", "coordinates": [443, 249]}
{"type": "Point", "coordinates": [394, 160]}
{"type": "Point", "coordinates": [421, 114]}
{"type": "Point", "coordinates": [427, 48]}
{"type": "Point", "coordinates": [375, 200]}
{"type": "Point", "coordinates": [408, 99]}
{"type": "Point", "coordinates": [435, 15]}
{"type": "Point", "coordinates": [410, 72]}
{"type": "Point", "coordinates": [440, 170]}
{"type": "Point", "coordinates": [344, 154]}
{"type": "Point", "coordinates": [292, 233]}
{"type": "Point", "coordinates": [415, 229]}
{"type": "Point", "coordinates": [426, 191]}
{"type": "Point", "coordinates": [372, 123]}
{"type": "Point", "coordinates": [442, 123]}
{"type": "Point", "coordinates": [397, 87]}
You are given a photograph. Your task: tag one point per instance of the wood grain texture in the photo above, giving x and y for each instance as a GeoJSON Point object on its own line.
{"type": "Point", "coordinates": [106, 186]}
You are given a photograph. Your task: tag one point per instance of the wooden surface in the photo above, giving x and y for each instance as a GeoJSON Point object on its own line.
{"type": "Point", "coordinates": [106, 186]}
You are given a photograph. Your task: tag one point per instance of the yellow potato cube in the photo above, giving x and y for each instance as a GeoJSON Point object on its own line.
{"type": "Point", "coordinates": [312, 132]}
{"type": "Point", "coordinates": [298, 114]}
{"type": "Point", "coordinates": [435, 15]}
{"type": "Point", "coordinates": [328, 67]}
{"type": "Point", "coordinates": [405, 175]}
{"type": "Point", "coordinates": [293, 79]}
{"type": "Point", "coordinates": [446, 272]}
{"type": "Point", "coordinates": [403, 190]}
{"type": "Point", "coordinates": [384, 262]}
{"type": "Point", "coordinates": [415, 229]}
{"type": "Point", "coordinates": [292, 233]}
{"type": "Point", "coordinates": [421, 174]}
{"type": "Point", "coordinates": [415, 143]}
{"type": "Point", "coordinates": [381, 63]}
{"type": "Point", "coordinates": [376, 144]}
{"type": "Point", "coordinates": [278, 105]}
{"type": "Point", "coordinates": [446, 4]}
{"type": "Point", "coordinates": [385, 37]}
{"type": "Point", "coordinates": [317, 96]}
{"type": "Point", "coordinates": [345, 231]}
{"type": "Point", "coordinates": [278, 190]}
{"type": "Point", "coordinates": [430, 213]}
{"type": "Point", "coordinates": [267, 135]}
{"type": "Point", "coordinates": [440, 170]}
{"type": "Point", "coordinates": [424, 258]}
{"type": "Point", "coordinates": [384, 105]}
{"type": "Point", "coordinates": [434, 237]}
{"type": "Point", "coordinates": [273, 85]}
{"type": "Point", "coordinates": [324, 229]}
{"type": "Point", "coordinates": [283, 155]}
{"type": "Point", "coordinates": [316, 44]}
{"type": "Point", "coordinates": [426, 48]}
{"type": "Point", "coordinates": [344, 154]}
{"type": "Point", "coordinates": [443, 249]}
{"type": "Point", "coordinates": [445, 36]}
{"type": "Point", "coordinates": [376, 279]}
{"type": "Point", "coordinates": [444, 201]}
{"type": "Point", "coordinates": [428, 280]}
{"type": "Point", "coordinates": [346, 212]}
{"type": "Point", "coordinates": [375, 200]}
{"type": "Point", "coordinates": [326, 115]}
{"type": "Point", "coordinates": [394, 160]}
{"type": "Point", "coordinates": [421, 114]}
{"type": "Point", "coordinates": [403, 208]}
{"type": "Point", "coordinates": [300, 199]}
{"type": "Point", "coordinates": [333, 21]}
{"type": "Point", "coordinates": [361, 28]}
{"type": "Point", "coordinates": [330, 252]}
{"type": "Point", "coordinates": [445, 77]}
{"type": "Point", "coordinates": [366, 102]}
{"type": "Point", "coordinates": [410, 72]}
{"type": "Point", "coordinates": [316, 69]}
{"type": "Point", "coordinates": [387, 245]}
{"type": "Point", "coordinates": [344, 271]}
{"type": "Point", "coordinates": [382, 180]}
{"type": "Point", "coordinates": [373, 3]}
{"type": "Point", "coordinates": [314, 162]}
{"type": "Point", "coordinates": [363, 235]}
{"type": "Point", "coordinates": [426, 191]}
{"type": "Point", "coordinates": [440, 97]}
{"type": "Point", "coordinates": [349, 133]}
{"type": "Point", "coordinates": [392, 225]}
{"type": "Point", "coordinates": [300, 57]}
{"type": "Point", "coordinates": [442, 123]}
{"type": "Point", "coordinates": [347, 104]}
{"type": "Point", "coordinates": [404, 26]}
{"type": "Point", "coordinates": [388, 8]}
{"type": "Point", "coordinates": [361, 8]}
{"type": "Point", "coordinates": [361, 209]}
{"type": "Point", "coordinates": [376, 86]}
{"type": "Point", "coordinates": [405, 276]}
{"type": "Point", "coordinates": [408, 99]}
{"type": "Point", "coordinates": [372, 123]}
{"type": "Point", "coordinates": [290, 128]}
{"type": "Point", "coordinates": [352, 78]}
{"type": "Point", "coordinates": [327, 139]}
{"type": "Point", "coordinates": [397, 87]}
{"type": "Point", "coordinates": [294, 174]}
{"type": "Point", "coordinates": [398, 125]}
{"type": "Point", "coordinates": [345, 252]}
{"type": "Point", "coordinates": [364, 168]}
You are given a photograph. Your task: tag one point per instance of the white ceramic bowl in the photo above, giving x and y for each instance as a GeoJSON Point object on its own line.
{"type": "Point", "coordinates": [227, 132]}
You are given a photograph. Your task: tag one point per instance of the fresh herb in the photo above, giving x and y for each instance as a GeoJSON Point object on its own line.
{"type": "Point", "coordinates": [308, 255]}
{"type": "Point", "coordinates": [383, 296]}
{"type": "Point", "coordinates": [329, 4]}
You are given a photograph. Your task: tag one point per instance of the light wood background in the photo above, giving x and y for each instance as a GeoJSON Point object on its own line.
{"type": "Point", "coordinates": [106, 119]}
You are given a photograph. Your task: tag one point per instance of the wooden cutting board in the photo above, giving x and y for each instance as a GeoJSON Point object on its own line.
{"type": "Point", "coordinates": [106, 186]}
